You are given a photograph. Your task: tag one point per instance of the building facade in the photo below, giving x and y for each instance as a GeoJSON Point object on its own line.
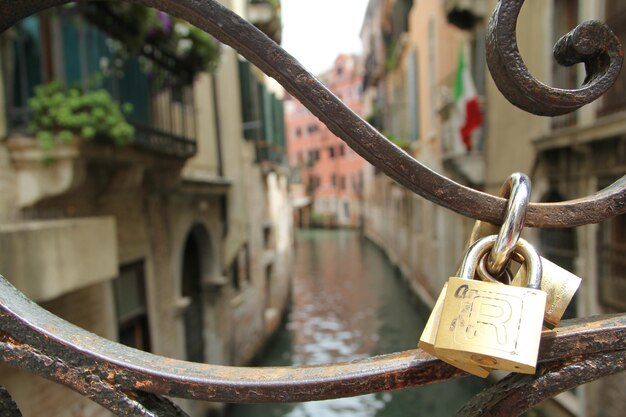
{"type": "Point", "coordinates": [567, 157]}
{"type": "Point", "coordinates": [327, 174]}
{"type": "Point", "coordinates": [411, 55]}
{"type": "Point", "coordinates": [178, 243]}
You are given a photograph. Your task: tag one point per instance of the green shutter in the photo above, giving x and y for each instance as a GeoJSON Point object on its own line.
{"type": "Point", "coordinates": [246, 102]}
{"type": "Point", "coordinates": [279, 128]}
{"type": "Point", "coordinates": [268, 119]}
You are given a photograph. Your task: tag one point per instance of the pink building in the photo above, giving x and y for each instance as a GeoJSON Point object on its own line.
{"type": "Point", "coordinates": [328, 178]}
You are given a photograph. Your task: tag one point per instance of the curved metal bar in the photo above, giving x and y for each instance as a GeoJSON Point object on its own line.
{"type": "Point", "coordinates": [35, 340]}
{"type": "Point", "coordinates": [517, 393]}
{"type": "Point", "coordinates": [232, 30]}
{"type": "Point", "coordinates": [592, 43]}
{"type": "Point", "coordinates": [86, 381]}
{"type": "Point", "coordinates": [8, 408]}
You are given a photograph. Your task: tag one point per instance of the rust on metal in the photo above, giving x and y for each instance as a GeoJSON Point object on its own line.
{"type": "Point", "coordinates": [517, 393]}
{"type": "Point", "coordinates": [34, 339]}
{"type": "Point", "coordinates": [592, 43]}
{"type": "Point", "coordinates": [232, 30]}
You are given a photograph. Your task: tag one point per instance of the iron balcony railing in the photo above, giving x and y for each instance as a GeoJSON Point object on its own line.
{"type": "Point", "coordinates": [163, 113]}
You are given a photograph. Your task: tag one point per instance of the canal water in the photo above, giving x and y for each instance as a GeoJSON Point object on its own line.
{"type": "Point", "coordinates": [348, 303]}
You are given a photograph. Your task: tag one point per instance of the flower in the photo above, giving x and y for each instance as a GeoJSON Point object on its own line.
{"type": "Point", "coordinates": [181, 29]}
{"type": "Point", "coordinates": [184, 46]}
{"type": "Point", "coordinates": [166, 21]}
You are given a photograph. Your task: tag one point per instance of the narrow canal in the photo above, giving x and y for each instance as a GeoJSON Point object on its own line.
{"type": "Point", "coordinates": [348, 303]}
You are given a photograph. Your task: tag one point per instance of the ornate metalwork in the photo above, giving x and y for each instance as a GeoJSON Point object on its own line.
{"type": "Point", "coordinates": [592, 43]}
{"type": "Point", "coordinates": [129, 382]}
{"type": "Point", "coordinates": [517, 393]}
{"type": "Point", "coordinates": [234, 31]}
{"type": "Point", "coordinates": [124, 380]}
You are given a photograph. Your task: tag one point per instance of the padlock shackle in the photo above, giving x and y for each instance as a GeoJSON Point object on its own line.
{"type": "Point", "coordinates": [517, 188]}
{"type": "Point", "coordinates": [481, 247]}
{"type": "Point", "coordinates": [532, 260]}
{"type": "Point", "coordinates": [474, 255]}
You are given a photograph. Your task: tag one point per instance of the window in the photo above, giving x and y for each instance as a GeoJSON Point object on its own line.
{"type": "Point", "coordinates": [342, 150]}
{"type": "Point", "coordinates": [560, 247]}
{"type": "Point", "coordinates": [298, 132]}
{"type": "Point", "coordinates": [312, 128]}
{"type": "Point", "coordinates": [314, 156]}
{"type": "Point", "coordinates": [131, 307]}
{"type": "Point", "coordinates": [314, 183]}
{"type": "Point", "coordinates": [333, 180]}
{"type": "Point", "coordinates": [250, 102]}
{"type": "Point", "coordinates": [342, 183]}
{"type": "Point", "coordinates": [23, 71]}
{"type": "Point", "coordinates": [612, 264]}
{"type": "Point", "coordinates": [331, 152]}
{"type": "Point", "coordinates": [233, 273]}
{"type": "Point", "coordinates": [413, 96]}
{"type": "Point", "coordinates": [244, 263]}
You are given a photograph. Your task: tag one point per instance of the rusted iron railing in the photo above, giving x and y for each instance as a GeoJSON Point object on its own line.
{"type": "Point", "coordinates": [129, 382]}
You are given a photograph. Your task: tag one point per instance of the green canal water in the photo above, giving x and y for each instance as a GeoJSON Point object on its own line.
{"type": "Point", "coordinates": [349, 302]}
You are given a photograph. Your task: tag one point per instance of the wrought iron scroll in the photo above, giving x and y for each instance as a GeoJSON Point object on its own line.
{"type": "Point", "coordinates": [232, 30]}
{"type": "Point", "coordinates": [592, 43]}
{"type": "Point", "coordinates": [129, 382]}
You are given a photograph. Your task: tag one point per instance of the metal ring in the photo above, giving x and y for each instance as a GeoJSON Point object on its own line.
{"type": "Point", "coordinates": [483, 273]}
{"type": "Point", "coordinates": [518, 186]}
{"type": "Point", "coordinates": [524, 253]}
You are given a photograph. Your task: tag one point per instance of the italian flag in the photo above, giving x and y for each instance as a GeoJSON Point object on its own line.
{"type": "Point", "coordinates": [468, 109]}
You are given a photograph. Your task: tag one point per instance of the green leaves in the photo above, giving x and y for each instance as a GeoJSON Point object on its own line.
{"type": "Point", "coordinates": [61, 115]}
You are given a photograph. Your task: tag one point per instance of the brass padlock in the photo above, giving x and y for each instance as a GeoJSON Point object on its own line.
{"type": "Point", "coordinates": [493, 325]}
{"type": "Point", "coordinates": [560, 284]}
{"type": "Point", "coordinates": [427, 339]}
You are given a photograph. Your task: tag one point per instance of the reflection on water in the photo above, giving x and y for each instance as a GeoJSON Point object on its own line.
{"type": "Point", "coordinates": [349, 303]}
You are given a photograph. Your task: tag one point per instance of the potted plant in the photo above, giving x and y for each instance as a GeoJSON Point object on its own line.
{"type": "Point", "coordinates": [60, 115]}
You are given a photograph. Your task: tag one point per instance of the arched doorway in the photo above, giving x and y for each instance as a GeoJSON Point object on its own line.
{"type": "Point", "coordinates": [196, 262]}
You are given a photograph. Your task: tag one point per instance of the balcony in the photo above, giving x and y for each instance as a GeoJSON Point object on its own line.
{"type": "Point", "coordinates": [265, 15]}
{"type": "Point", "coordinates": [154, 83]}
{"type": "Point", "coordinates": [46, 259]}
